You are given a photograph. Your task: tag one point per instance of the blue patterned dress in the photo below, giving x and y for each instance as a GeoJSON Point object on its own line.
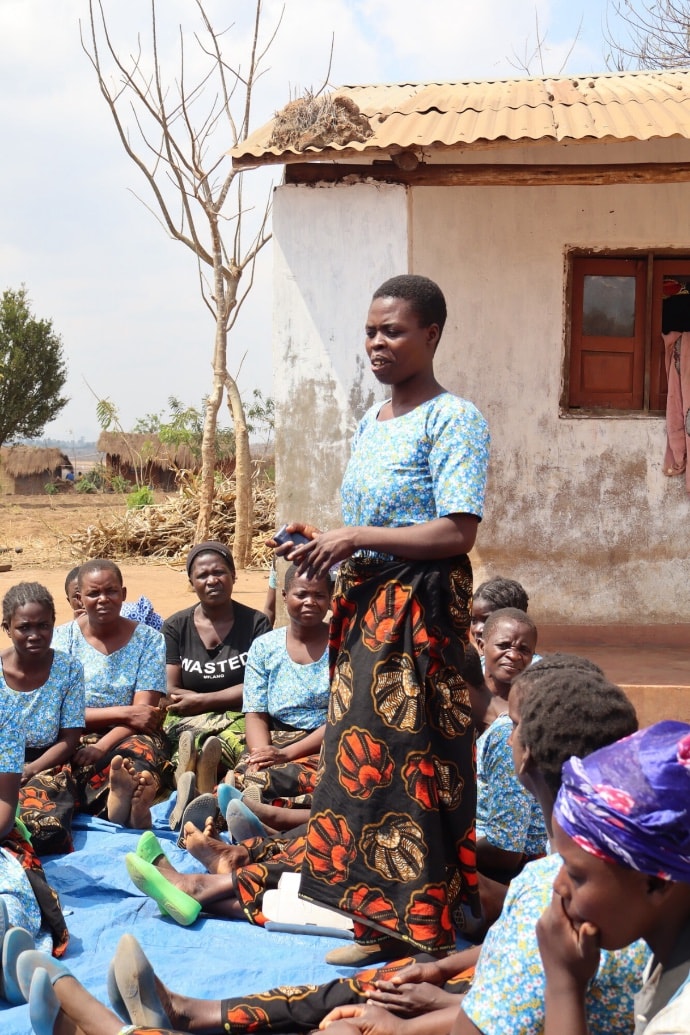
{"type": "Point", "coordinates": [391, 836]}
{"type": "Point", "coordinates": [113, 680]}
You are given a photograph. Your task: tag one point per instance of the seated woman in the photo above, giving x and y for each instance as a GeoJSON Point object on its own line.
{"type": "Point", "coordinates": [27, 903]}
{"type": "Point", "coordinates": [622, 829]}
{"type": "Point", "coordinates": [561, 706]}
{"type": "Point", "coordinates": [123, 762]}
{"type": "Point", "coordinates": [141, 610]}
{"type": "Point", "coordinates": [285, 701]}
{"type": "Point", "coordinates": [206, 653]}
{"type": "Point", "coordinates": [510, 829]}
{"type": "Point", "coordinates": [48, 687]}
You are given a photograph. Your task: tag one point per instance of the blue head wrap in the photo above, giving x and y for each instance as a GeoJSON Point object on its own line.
{"type": "Point", "coordinates": [629, 802]}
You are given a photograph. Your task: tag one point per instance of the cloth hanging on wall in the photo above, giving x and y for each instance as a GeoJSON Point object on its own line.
{"type": "Point", "coordinates": [677, 356]}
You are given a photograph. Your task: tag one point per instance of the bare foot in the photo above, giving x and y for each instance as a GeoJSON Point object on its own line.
{"type": "Point", "coordinates": [122, 783]}
{"type": "Point", "coordinates": [145, 789]}
{"type": "Point", "coordinates": [215, 855]}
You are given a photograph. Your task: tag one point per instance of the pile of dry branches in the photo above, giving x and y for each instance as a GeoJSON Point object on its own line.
{"type": "Point", "coordinates": [166, 530]}
{"type": "Point", "coordinates": [318, 122]}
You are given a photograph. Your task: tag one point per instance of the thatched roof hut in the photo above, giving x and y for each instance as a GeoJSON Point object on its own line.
{"type": "Point", "coordinates": [25, 470]}
{"type": "Point", "coordinates": [130, 454]}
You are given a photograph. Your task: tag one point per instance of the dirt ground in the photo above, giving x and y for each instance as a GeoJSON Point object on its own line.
{"type": "Point", "coordinates": [38, 526]}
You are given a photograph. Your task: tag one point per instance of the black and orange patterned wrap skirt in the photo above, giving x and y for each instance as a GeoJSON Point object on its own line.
{"type": "Point", "coordinates": [391, 837]}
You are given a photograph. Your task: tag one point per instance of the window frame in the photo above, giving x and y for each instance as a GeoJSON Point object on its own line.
{"type": "Point", "coordinates": [656, 264]}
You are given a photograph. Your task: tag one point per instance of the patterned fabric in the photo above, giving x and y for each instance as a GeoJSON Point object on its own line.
{"type": "Point", "coordinates": [507, 994]}
{"type": "Point", "coordinates": [296, 695]}
{"type": "Point", "coordinates": [426, 464]}
{"type": "Point", "coordinates": [629, 802]}
{"type": "Point", "coordinates": [399, 776]}
{"type": "Point", "coordinates": [113, 679]}
{"type": "Point", "coordinates": [290, 1008]}
{"type": "Point", "coordinates": [57, 705]}
{"type": "Point", "coordinates": [507, 816]}
{"type": "Point", "coordinates": [11, 735]}
{"type": "Point", "coordinates": [142, 610]}
{"type": "Point", "coordinates": [271, 858]}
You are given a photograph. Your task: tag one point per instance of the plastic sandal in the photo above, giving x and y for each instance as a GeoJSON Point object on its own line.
{"type": "Point", "coordinates": [181, 907]}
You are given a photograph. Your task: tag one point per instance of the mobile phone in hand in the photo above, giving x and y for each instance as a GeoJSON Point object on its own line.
{"type": "Point", "coordinates": [283, 536]}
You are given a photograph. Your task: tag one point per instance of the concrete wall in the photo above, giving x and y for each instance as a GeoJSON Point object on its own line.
{"type": "Point", "coordinates": [578, 509]}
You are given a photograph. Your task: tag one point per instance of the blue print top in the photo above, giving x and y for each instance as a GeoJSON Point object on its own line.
{"type": "Point", "coordinates": [57, 705]}
{"type": "Point", "coordinates": [11, 735]}
{"type": "Point", "coordinates": [427, 464]}
{"type": "Point", "coordinates": [274, 684]}
{"type": "Point", "coordinates": [112, 680]}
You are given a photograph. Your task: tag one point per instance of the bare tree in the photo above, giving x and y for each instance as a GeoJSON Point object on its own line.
{"type": "Point", "coordinates": [534, 58]}
{"type": "Point", "coordinates": [648, 34]}
{"type": "Point", "coordinates": [181, 135]}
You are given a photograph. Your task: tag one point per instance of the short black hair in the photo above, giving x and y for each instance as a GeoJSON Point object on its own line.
{"type": "Point", "coordinates": [71, 576]}
{"type": "Point", "coordinates": [513, 614]}
{"type": "Point", "coordinates": [99, 564]}
{"type": "Point", "coordinates": [502, 592]}
{"type": "Point", "coordinates": [26, 593]}
{"type": "Point", "coordinates": [569, 710]}
{"type": "Point", "coordinates": [292, 573]}
{"type": "Point", "coordinates": [422, 294]}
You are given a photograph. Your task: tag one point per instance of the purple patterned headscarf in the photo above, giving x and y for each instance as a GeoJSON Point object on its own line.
{"type": "Point", "coordinates": [629, 803]}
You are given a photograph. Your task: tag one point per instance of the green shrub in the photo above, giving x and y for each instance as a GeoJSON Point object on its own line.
{"type": "Point", "coordinates": [51, 488]}
{"type": "Point", "coordinates": [120, 484]}
{"type": "Point", "coordinates": [85, 485]}
{"type": "Point", "coordinates": [141, 497]}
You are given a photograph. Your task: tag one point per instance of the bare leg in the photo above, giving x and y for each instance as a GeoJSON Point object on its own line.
{"type": "Point", "coordinates": [195, 1015]}
{"type": "Point", "coordinates": [121, 789]}
{"type": "Point", "coordinates": [81, 1014]}
{"type": "Point", "coordinates": [217, 856]}
{"type": "Point", "coordinates": [143, 796]}
{"type": "Point", "coordinates": [275, 818]}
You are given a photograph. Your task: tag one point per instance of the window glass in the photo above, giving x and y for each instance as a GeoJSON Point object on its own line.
{"type": "Point", "coordinates": [609, 307]}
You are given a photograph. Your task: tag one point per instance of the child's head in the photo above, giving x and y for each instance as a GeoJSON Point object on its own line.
{"type": "Point", "coordinates": [307, 600]}
{"type": "Point", "coordinates": [492, 595]}
{"type": "Point", "coordinates": [72, 591]}
{"type": "Point", "coordinates": [510, 640]}
{"type": "Point", "coordinates": [622, 827]}
{"type": "Point", "coordinates": [562, 706]}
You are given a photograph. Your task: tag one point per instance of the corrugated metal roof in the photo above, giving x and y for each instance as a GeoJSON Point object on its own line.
{"type": "Point", "coordinates": [623, 106]}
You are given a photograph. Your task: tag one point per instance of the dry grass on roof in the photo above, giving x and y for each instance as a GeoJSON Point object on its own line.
{"type": "Point", "coordinates": [24, 461]}
{"type": "Point", "coordinates": [317, 121]}
{"type": "Point", "coordinates": [145, 447]}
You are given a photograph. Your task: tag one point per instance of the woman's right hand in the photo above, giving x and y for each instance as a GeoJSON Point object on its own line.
{"type": "Point", "coordinates": [144, 718]}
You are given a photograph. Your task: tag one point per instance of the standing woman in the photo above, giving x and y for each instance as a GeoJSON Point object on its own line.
{"type": "Point", "coordinates": [123, 762]}
{"type": "Point", "coordinates": [48, 687]}
{"type": "Point", "coordinates": [206, 654]}
{"type": "Point", "coordinates": [391, 838]}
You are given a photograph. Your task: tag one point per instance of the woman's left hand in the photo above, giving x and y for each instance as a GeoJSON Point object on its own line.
{"type": "Point", "coordinates": [328, 548]}
{"type": "Point", "coordinates": [263, 757]}
{"type": "Point", "coordinates": [410, 999]}
{"type": "Point", "coordinates": [186, 702]}
{"type": "Point", "coordinates": [28, 773]}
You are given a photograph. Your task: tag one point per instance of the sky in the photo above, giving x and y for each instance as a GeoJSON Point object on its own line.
{"type": "Point", "coordinates": [75, 228]}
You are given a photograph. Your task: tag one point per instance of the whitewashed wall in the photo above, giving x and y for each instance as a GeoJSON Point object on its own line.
{"type": "Point", "coordinates": [578, 509]}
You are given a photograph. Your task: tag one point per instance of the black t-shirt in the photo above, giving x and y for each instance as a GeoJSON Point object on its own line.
{"type": "Point", "coordinates": [206, 670]}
